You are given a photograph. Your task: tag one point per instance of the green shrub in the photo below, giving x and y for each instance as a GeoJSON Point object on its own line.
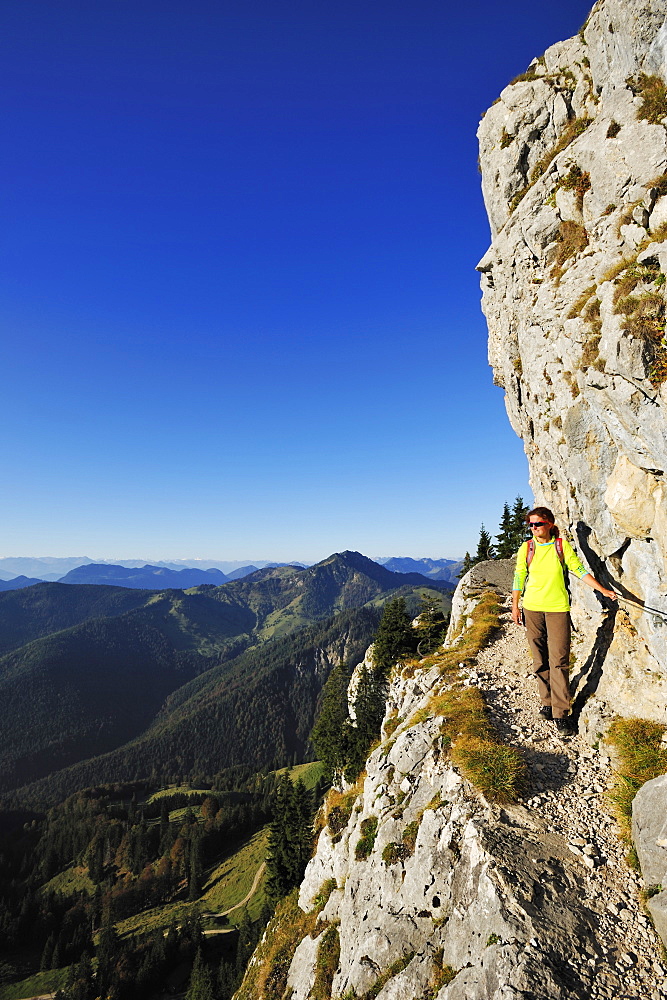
{"type": "Point", "coordinates": [393, 853]}
{"type": "Point", "coordinates": [366, 842]}
{"type": "Point", "coordinates": [409, 836]}
{"type": "Point", "coordinates": [578, 181]}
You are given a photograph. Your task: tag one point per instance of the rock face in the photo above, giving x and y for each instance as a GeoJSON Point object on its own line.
{"type": "Point", "coordinates": [574, 167]}
{"type": "Point", "coordinates": [472, 886]}
{"type": "Point", "coordinates": [649, 832]}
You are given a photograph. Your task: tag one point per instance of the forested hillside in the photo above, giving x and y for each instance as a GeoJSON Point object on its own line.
{"type": "Point", "coordinates": [212, 688]}
{"type": "Point", "coordinates": [105, 683]}
{"type": "Point", "coordinates": [256, 710]}
{"type": "Point", "coordinates": [138, 877]}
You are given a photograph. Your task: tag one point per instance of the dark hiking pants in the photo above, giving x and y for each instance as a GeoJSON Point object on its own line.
{"type": "Point", "coordinates": [549, 641]}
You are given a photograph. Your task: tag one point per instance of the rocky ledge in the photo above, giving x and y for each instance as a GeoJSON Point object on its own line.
{"type": "Point", "coordinates": [420, 887]}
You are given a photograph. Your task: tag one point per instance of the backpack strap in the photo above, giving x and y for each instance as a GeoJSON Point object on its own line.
{"type": "Point", "coordinates": [558, 545]}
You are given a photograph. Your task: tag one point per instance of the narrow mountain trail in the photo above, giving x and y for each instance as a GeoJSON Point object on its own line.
{"type": "Point", "coordinates": [566, 797]}
{"type": "Point", "coordinates": [253, 889]}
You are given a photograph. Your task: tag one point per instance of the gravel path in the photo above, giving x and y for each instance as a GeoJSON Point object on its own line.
{"type": "Point", "coordinates": [568, 781]}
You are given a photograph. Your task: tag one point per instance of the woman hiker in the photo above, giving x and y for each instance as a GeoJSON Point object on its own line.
{"type": "Point", "coordinates": [545, 559]}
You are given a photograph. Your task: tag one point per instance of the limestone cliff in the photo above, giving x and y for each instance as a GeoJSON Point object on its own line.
{"type": "Point", "coordinates": [420, 887]}
{"type": "Point", "coordinates": [574, 165]}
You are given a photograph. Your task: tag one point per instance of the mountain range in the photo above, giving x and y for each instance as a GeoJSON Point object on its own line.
{"type": "Point", "coordinates": [107, 683]}
{"type": "Point", "coordinates": [53, 568]}
{"type": "Point", "coordinates": [17, 572]}
{"type": "Point", "coordinates": [434, 569]}
{"type": "Point", "coordinates": [145, 577]}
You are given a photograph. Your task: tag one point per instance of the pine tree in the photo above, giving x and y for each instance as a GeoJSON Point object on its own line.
{"type": "Point", "coordinates": [301, 823]}
{"type": "Point", "coordinates": [245, 943]}
{"type": "Point", "coordinates": [227, 980]}
{"type": "Point", "coordinates": [484, 546]}
{"type": "Point", "coordinates": [468, 563]}
{"type": "Point", "coordinates": [432, 625]}
{"type": "Point", "coordinates": [395, 637]}
{"type": "Point", "coordinates": [519, 530]}
{"type": "Point", "coordinates": [47, 953]}
{"type": "Point", "coordinates": [107, 951]}
{"type": "Point", "coordinates": [369, 706]}
{"type": "Point", "coordinates": [504, 538]}
{"type": "Point", "coordinates": [329, 731]}
{"type": "Point", "coordinates": [201, 980]}
{"type": "Point", "coordinates": [195, 870]}
{"type": "Point", "coordinates": [278, 862]}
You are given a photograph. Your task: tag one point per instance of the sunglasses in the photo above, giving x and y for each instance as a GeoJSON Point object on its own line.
{"type": "Point", "coordinates": [537, 524]}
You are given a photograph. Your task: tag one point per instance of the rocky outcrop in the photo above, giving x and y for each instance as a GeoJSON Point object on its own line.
{"type": "Point", "coordinates": [492, 574]}
{"type": "Point", "coordinates": [574, 167]}
{"type": "Point", "coordinates": [419, 887]}
{"type": "Point", "coordinates": [649, 832]}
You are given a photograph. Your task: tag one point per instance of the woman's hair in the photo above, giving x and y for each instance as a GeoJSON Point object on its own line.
{"type": "Point", "coordinates": [546, 515]}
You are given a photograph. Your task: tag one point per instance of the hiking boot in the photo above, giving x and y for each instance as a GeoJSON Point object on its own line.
{"type": "Point", "coordinates": [564, 726]}
{"type": "Point", "coordinates": [546, 712]}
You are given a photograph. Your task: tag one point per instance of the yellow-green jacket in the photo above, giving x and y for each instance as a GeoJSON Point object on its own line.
{"type": "Point", "coordinates": [545, 589]}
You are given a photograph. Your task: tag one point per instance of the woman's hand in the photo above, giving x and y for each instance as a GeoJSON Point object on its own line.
{"type": "Point", "coordinates": [516, 615]}
{"type": "Point", "coordinates": [609, 593]}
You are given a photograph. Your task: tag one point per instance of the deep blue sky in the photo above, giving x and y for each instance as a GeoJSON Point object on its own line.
{"type": "Point", "coordinates": [239, 308]}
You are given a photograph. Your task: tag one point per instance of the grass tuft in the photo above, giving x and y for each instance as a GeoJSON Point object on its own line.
{"type": "Point", "coordinates": [442, 975]}
{"type": "Point", "coordinates": [613, 272]}
{"type": "Point", "coordinates": [642, 757]}
{"type": "Point", "coordinates": [494, 768]}
{"type": "Point", "coordinates": [323, 896]}
{"type": "Point", "coordinates": [328, 955]}
{"type": "Point", "coordinates": [392, 724]}
{"type": "Point", "coordinates": [338, 807]}
{"type": "Point", "coordinates": [653, 93]}
{"type": "Point", "coordinates": [573, 238]}
{"type": "Point", "coordinates": [394, 969]}
{"type": "Point", "coordinates": [572, 131]}
{"type": "Point", "coordinates": [579, 304]}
